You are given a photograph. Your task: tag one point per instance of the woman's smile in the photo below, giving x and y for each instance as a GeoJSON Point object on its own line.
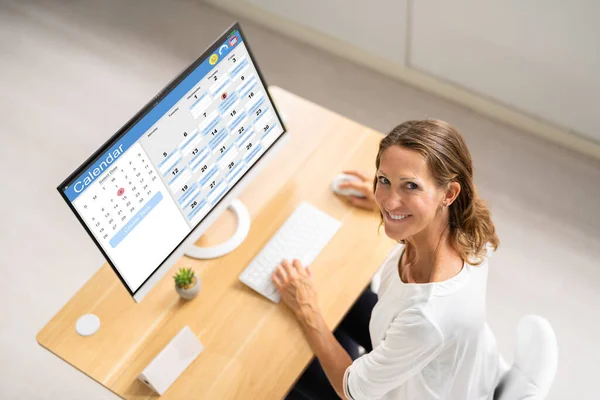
{"type": "Point", "coordinates": [396, 218]}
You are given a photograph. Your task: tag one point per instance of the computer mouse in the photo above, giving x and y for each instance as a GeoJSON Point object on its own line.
{"type": "Point", "coordinates": [341, 178]}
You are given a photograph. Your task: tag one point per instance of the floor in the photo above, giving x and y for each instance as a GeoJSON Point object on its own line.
{"type": "Point", "coordinates": [72, 72]}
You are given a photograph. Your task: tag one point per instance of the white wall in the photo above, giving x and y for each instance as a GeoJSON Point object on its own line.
{"type": "Point", "coordinates": [376, 26]}
{"type": "Point", "coordinates": [542, 57]}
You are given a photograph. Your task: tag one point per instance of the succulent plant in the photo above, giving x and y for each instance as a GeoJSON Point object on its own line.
{"type": "Point", "coordinates": [184, 278]}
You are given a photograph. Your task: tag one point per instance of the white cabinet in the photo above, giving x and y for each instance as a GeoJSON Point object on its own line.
{"type": "Point", "coordinates": [534, 64]}
{"type": "Point", "coordinates": [540, 57]}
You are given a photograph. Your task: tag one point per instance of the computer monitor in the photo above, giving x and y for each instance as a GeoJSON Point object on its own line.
{"type": "Point", "coordinates": [157, 184]}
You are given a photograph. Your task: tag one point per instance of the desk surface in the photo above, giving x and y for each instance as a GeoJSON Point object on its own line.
{"type": "Point", "coordinates": [254, 349]}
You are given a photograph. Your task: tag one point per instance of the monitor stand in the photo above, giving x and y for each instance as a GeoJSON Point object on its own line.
{"type": "Point", "coordinates": [243, 227]}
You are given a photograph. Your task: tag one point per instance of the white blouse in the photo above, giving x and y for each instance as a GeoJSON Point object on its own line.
{"type": "Point", "coordinates": [430, 341]}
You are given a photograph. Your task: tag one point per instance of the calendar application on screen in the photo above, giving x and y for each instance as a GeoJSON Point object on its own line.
{"type": "Point", "coordinates": [145, 194]}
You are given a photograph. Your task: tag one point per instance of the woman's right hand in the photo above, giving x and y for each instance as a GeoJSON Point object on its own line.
{"type": "Point", "coordinates": [365, 186]}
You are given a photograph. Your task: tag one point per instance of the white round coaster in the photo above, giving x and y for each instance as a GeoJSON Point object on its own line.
{"type": "Point", "coordinates": [87, 324]}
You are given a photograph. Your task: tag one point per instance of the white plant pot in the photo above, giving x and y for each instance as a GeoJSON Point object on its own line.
{"type": "Point", "coordinates": [190, 293]}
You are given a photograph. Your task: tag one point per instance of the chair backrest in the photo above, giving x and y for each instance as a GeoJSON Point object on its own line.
{"type": "Point", "coordinates": [535, 362]}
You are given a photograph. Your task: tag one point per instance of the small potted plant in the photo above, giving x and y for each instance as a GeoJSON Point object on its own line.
{"type": "Point", "coordinates": [187, 283]}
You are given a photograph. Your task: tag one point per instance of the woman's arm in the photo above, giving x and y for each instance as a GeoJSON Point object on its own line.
{"type": "Point", "coordinates": [411, 341]}
{"type": "Point", "coordinates": [332, 356]}
{"type": "Point", "coordinates": [297, 291]}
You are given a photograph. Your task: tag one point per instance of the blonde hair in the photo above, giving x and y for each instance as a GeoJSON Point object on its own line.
{"type": "Point", "coordinates": [449, 160]}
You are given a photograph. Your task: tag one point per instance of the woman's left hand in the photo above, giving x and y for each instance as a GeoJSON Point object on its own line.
{"type": "Point", "coordinates": [295, 284]}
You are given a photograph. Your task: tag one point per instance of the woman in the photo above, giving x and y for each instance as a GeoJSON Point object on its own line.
{"type": "Point", "coordinates": [428, 329]}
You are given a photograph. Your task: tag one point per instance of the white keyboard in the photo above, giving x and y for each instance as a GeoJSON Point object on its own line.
{"type": "Point", "coordinates": [303, 235]}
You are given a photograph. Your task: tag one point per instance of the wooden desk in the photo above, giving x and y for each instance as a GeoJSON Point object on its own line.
{"type": "Point", "coordinates": [254, 349]}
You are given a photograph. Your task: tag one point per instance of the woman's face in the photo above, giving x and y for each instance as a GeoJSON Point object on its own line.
{"type": "Point", "coordinates": [406, 193]}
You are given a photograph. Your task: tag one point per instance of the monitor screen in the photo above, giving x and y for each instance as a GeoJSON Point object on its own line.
{"type": "Point", "coordinates": [155, 180]}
